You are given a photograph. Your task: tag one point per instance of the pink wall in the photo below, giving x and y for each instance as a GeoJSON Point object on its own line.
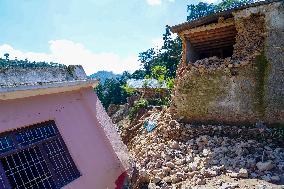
{"type": "Point", "coordinates": [75, 117]}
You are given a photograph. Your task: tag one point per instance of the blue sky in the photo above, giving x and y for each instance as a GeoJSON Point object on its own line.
{"type": "Point", "coordinates": [99, 34]}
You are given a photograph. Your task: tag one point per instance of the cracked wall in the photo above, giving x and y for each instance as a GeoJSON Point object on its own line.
{"type": "Point", "coordinates": [245, 88]}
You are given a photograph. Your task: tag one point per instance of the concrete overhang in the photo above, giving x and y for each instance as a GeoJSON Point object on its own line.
{"type": "Point", "coordinates": [23, 91]}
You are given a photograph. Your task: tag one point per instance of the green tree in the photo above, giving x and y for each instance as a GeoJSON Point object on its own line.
{"type": "Point", "coordinates": [205, 9]}
{"type": "Point", "coordinates": [138, 74]}
{"type": "Point", "coordinates": [7, 56]}
{"type": "Point", "coordinates": [112, 91]}
{"type": "Point", "coordinates": [159, 72]}
{"type": "Point", "coordinates": [167, 56]}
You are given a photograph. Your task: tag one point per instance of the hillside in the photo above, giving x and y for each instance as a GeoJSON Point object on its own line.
{"type": "Point", "coordinates": [103, 75]}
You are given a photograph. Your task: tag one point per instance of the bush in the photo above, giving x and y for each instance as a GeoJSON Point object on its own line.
{"type": "Point", "coordinates": [142, 103]}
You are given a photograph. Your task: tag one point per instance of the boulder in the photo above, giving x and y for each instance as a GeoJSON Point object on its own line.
{"type": "Point", "coordinates": [265, 166]}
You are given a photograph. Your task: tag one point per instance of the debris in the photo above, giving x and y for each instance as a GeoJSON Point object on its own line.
{"type": "Point", "coordinates": [265, 166]}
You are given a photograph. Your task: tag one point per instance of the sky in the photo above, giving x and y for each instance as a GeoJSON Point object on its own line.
{"type": "Point", "coordinates": [97, 34]}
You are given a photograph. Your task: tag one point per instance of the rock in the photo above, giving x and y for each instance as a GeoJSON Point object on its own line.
{"type": "Point", "coordinates": [191, 174]}
{"type": "Point", "coordinates": [200, 181]}
{"type": "Point", "coordinates": [156, 171]}
{"type": "Point", "coordinates": [219, 182]}
{"type": "Point", "coordinates": [189, 159]}
{"type": "Point", "coordinates": [161, 146]}
{"type": "Point", "coordinates": [243, 173]}
{"type": "Point", "coordinates": [218, 168]}
{"type": "Point", "coordinates": [180, 161]}
{"type": "Point", "coordinates": [156, 179]}
{"type": "Point", "coordinates": [205, 152]}
{"type": "Point", "coordinates": [151, 186]}
{"type": "Point", "coordinates": [167, 158]}
{"type": "Point", "coordinates": [161, 174]}
{"type": "Point", "coordinates": [173, 123]}
{"type": "Point", "coordinates": [275, 178]}
{"type": "Point", "coordinates": [229, 185]}
{"type": "Point", "coordinates": [265, 166]}
{"type": "Point", "coordinates": [261, 186]}
{"type": "Point", "coordinates": [254, 175]}
{"type": "Point", "coordinates": [186, 185]}
{"type": "Point", "coordinates": [266, 177]}
{"type": "Point", "coordinates": [210, 173]}
{"type": "Point", "coordinates": [170, 165]}
{"type": "Point", "coordinates": [166, 169]}
{"type": "Point", "coordinates": [158, 164]}
{"type": "Point", "coordinates": [175, 179]}
{"type": "Point", "coordinates": [179, 175]}
{"type": "Point", "coordinates": [233, 174]}
{"type": "Point", "coordinates": [143, 173]}
{"type": "Point", "coordinates": [192, 166]}
{"type": "Point", "coordinates": [167, 179]}
{"type": "Point", "coordinates": [175, 145]}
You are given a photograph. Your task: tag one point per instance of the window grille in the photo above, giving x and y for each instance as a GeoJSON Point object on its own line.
{"type": "Point", "coordinates": [35, 157]}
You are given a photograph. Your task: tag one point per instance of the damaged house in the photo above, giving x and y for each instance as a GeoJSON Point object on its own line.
{"type": "Point", "coordinates": [54, 132]}
{"type": "Point", "coordinates": [232, 68]}
{"type": "Point", "coordinates": [149, 88]}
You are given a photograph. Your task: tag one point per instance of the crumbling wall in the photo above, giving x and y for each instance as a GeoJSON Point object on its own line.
{"type": "Point", "coordinates": [246, 87]}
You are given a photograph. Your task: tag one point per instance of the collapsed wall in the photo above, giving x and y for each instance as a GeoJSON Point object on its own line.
{"type": "Point", "coordinates": [246, 87]}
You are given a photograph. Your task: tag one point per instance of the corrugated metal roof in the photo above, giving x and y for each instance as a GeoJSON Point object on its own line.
{"type": "Point", "coordinates": [214, 17]}
{"type": "Point", "coordinates": [146, 83]}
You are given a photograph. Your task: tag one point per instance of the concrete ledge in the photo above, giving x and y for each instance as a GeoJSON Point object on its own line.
{"type": "Point", "coordinates": [16, 76]}
{"type": "Point", "coordinates": [23, 91]}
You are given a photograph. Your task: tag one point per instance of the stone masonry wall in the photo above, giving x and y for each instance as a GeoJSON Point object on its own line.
{"type": "Point", "coordinates": [245, 88]}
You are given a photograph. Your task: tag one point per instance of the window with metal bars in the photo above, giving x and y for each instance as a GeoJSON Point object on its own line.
{"type": "Point", "coordinates": [35, 157]}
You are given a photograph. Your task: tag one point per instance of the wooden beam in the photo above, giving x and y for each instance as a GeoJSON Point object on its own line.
{"type": "Point", "coordinates": [213, 43]}
{"type": "Point", "coordinates": [226, 23]}
{"type": "Point", "coordinates": [223, 30]}
{"type": "Point", "coordinates": [213, 38]}
{"type": "Point", "coordinates": [214, 46]}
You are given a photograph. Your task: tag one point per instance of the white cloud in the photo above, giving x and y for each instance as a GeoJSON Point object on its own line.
{"type": "Point", "coordinates": [70, 53]}
{"type": "Point", "coordinates": [157, 2]}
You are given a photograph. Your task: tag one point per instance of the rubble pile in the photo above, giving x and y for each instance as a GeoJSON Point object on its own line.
{"type": "Point", "coordinates": [250, 38]}
{"type": "Point", "coordinates": [165, 159]}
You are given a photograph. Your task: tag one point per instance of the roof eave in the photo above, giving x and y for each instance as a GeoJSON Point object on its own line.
{"type": "Point", "coordinates": [210, 18]}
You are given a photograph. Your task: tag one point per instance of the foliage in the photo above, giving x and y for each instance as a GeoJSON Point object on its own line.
{"type": "Point", "coordinates": [170, 83]}
{"type": "Point", "coordinates": [103, 75]}
{"type": "Point", "coordinates": [167, 56]}
{"type": "Point", "coordinates": [199, 10]}
{"type": "Point", "coordinates": [112, 91]}
{"type": "Point", "coordinates": [138, 74]}
{"type": "Point", "coordinates": [159, 64]}
{"type": "Point", "coordinates": [159, 72]}
{"type": "Point", "coordinates": [141, 103]}
{"type": "Point", "coordinates": [130, 91]}
{"type": "Point", "coordinates": [205, 9]}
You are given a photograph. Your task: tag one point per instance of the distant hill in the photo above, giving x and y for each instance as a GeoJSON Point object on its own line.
{"type": "Point", "coordinates": [103, 75]}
